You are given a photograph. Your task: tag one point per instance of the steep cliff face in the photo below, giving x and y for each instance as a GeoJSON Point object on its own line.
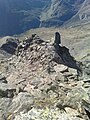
{"type": "Point", "coordinates": [82, 16]}
{"type": "Point", "coordinates": [60, 11]}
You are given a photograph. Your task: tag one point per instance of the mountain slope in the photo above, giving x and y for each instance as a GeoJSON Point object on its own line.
{"type": "Point", "coordinates": [17, 17]}
{"type": "Point", "coordinates": [82, 16]}
{"type": "Point", "coordinates": [60, 11]}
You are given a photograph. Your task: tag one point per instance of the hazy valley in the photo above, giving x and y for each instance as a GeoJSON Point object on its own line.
{"type": "Point", "coordinates": [17, 18]}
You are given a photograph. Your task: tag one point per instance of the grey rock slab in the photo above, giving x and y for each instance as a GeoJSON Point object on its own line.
{"type": "Point", "coordinates": [23, 101]}
{"type": "Point", "coordinates": [60, 68]}
{"type": "Point", "coordinates": [4, 105]}
{"type": "Point", "coordinates": [75, 96]}
{"type": "Point", "coordinates": [73, 71]}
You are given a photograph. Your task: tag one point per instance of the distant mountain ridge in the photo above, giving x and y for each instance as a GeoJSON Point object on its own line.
{"type": "Point", "coordinates": [82, 16]}
{"type": "Point", "coordinates": [18, 16]}
{"type": "Point", "coordinates": [60, 11]}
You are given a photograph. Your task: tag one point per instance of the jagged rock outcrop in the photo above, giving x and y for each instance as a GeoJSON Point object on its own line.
{"type": "Point", "coordinates": [47, 78]}
{"type": "Point", "coordinates": [10, 46]}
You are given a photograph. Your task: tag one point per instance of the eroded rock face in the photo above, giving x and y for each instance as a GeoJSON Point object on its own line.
{"type": "Point", "coordinates": [8, 47]}
{"type": "Point", "coordinates": [44, 75]}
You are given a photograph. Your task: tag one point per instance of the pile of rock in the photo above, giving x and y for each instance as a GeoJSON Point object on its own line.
{"type": "Point", "coordinates": [42, 78]}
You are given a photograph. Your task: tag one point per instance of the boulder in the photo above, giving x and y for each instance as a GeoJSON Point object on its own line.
{"type": "Point", "coordinates": [73, 71]}
{"type": "Point", "coordinates": [4, 105]}
{"type": "Point", "coordinates": [74, 98]}
{"type": "Point", "coordinates": [23, 101]}
{"type": "Point", "coordinates": [60, 68]}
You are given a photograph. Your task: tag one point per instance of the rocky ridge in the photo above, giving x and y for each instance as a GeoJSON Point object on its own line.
{"type": "Point", "coordinates": [43, 81]}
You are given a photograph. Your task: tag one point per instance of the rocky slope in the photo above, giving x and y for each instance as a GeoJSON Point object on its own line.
{"type": "Point", "coordinates": [60, 11]}
{"type": "Point", "coordinates": [82, 16]}
{"type": "Point", "coordinates": [43, 81]}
